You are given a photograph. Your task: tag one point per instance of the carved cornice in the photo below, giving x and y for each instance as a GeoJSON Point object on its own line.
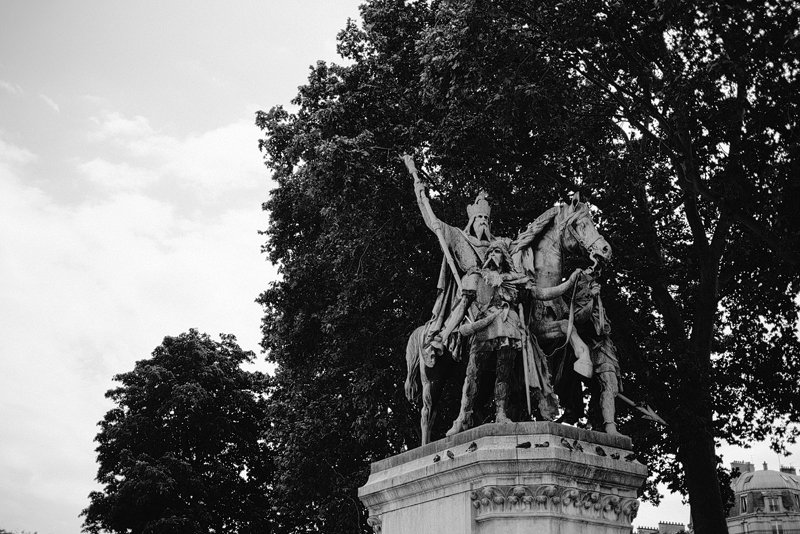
{"type": "Point", "coordinates": [376, 524]}
{"type": "Point", "coordinates": [551, 499]}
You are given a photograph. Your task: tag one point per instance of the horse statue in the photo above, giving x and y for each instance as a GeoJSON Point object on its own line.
{"type": "Point", "coordinates": [563, 229]}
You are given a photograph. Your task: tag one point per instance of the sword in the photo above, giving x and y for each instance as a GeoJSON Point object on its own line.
{"type": "Point", "coordinates": [525, 358]}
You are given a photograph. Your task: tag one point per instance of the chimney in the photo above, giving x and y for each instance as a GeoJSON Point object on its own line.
{"type": "Point", "coordinates": [765, 466]}
{"type": "Point", "coordinates": [743, 467]}
{"type": "Point", "coordinates": [790, 470]}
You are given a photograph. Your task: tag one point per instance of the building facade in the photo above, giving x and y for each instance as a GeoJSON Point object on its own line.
{"type": "Point", "coordinates": [765, 502]}
{"type": "Point", "coordinates": [664, 527]}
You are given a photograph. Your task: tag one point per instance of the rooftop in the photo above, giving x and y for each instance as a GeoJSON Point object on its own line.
{"type": "Point", "coordinates": [766, 479]}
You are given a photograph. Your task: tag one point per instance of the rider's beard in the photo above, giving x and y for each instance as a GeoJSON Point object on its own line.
{"type": "Point", "coordinates": [483, 232]}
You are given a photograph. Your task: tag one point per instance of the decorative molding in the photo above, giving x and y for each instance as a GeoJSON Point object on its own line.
{"type": "Point", "coordinates": [631, 508]}
{"type": "Point", "coordinates": [375, 522]}
{"type": "Point", "coordinates": [552, 499]}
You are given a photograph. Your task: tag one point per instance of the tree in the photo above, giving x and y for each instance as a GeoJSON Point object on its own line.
{"type": "Point", "coordinates": [698, 110]}
{"type": "Point", "coordinates": [183, 449]}
{"type": "Point", "coordinates": [680, 125]}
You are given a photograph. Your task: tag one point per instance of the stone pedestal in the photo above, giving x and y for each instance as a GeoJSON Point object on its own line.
{"type": "Point", "coordinates": [516, 478]}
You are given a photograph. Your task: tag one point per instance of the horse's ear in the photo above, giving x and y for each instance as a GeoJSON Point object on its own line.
{"type": "Point", "coordinates": [576, 199]}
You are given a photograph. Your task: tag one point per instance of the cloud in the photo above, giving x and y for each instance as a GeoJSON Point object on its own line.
{"type": "Point", "coordinates": [216, 165]}
{"type": "Point", "coordinates": [12, 156]}
{"type": "Point", "coordinates": [11, 88]}
{"type": "Point", "coordinates": [50, 102]}
{"type": "Point", "coordinates": [117, 176]}
{"type": "Point", "coordinates": [95, 286]}
{"type": "Point", "coordinates": [114, 125]}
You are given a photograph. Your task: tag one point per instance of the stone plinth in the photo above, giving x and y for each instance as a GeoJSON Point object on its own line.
{"type": "Point", "coordinates": [504, 486]}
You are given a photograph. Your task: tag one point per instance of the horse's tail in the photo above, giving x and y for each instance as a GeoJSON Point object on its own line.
{"type": "Point", "coordinates": [413, 354]}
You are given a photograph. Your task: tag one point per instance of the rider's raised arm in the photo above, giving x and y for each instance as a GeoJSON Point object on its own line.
{"type": "Point", "coordinates": [431, 221]}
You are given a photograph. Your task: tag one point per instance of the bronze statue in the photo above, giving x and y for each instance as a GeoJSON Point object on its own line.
{"type": "Point", "coordinates": [505, 297]}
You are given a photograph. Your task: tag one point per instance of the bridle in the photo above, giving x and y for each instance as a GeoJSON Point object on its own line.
{"type": "Point", "coordinates": [581, 212]}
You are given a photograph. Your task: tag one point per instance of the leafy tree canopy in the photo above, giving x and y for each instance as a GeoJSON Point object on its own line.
{"type": "Point", "coordinates": [679, 123]}
{"type": "Point", "coordinates": [182, 451]}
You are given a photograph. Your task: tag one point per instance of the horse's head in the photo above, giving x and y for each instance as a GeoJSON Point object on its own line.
{"type": "Point", "coordinates": [578, 232]}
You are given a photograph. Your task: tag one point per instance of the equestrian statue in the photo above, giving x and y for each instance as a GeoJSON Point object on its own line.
{"type": "Point", "coordinates": [505, 300]}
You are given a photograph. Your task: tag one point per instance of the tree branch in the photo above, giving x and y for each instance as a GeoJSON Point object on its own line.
{"type": "Point", "coordinates": [666, 305]}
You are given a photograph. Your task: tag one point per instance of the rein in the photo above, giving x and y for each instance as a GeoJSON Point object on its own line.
{"type": "Point", "coordinates": [570, 325]}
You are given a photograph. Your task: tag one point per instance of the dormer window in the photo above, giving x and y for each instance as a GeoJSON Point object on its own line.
{"type": "Point", "coordinates": [743, 504]}
{"type": "Point", "coordinates": [797, 501]}
{"type": "Point", "coordinates": [772, 504]}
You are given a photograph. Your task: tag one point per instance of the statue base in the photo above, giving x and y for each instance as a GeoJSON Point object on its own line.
{"type": "Point", "coordinates": [508, 478]}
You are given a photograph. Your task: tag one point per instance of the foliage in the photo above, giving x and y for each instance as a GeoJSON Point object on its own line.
{"type": "Point", "coordinates": [182, 451]}
{"type": "Point", "coordinates": [678, 123]}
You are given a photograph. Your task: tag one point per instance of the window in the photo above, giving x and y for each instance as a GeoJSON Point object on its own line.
{"type": "Point", "coordinates": [777, 528]}
{"type": "Point", "coordinates": [772, 504]}
{"type": "Point", "coordinates": [743, 504]}
{"type": "Point", "coordinates": [797, 501]}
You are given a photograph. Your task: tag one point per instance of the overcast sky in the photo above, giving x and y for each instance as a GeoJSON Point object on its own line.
{"type": "Point", "coordinates": [130, 192]}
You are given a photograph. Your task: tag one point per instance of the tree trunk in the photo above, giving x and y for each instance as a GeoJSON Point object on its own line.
{"type": "Point", "coordinates": [696, 430]}
{"type": "Point", "coordinates": [698, 456]}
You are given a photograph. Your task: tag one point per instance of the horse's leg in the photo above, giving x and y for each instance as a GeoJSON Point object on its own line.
{"type": "Point", "coordinates": [436, 386]}
{"type": "Point", "coordinates": [426, 421]}
{"type": "Point", "coordinates": [609, 387]}
{"type": "Point", "coordinates": [413, 362]}
{"type": "Point", "coordinates": [464, 419]}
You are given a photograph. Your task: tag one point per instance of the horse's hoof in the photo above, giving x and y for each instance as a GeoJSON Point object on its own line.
{"type": "Point", "coordinates": [456, 428]}
{"type": "Point", "coordinates": [503, 419]}
{"type": "Point", "coordinates": [568, 418]}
